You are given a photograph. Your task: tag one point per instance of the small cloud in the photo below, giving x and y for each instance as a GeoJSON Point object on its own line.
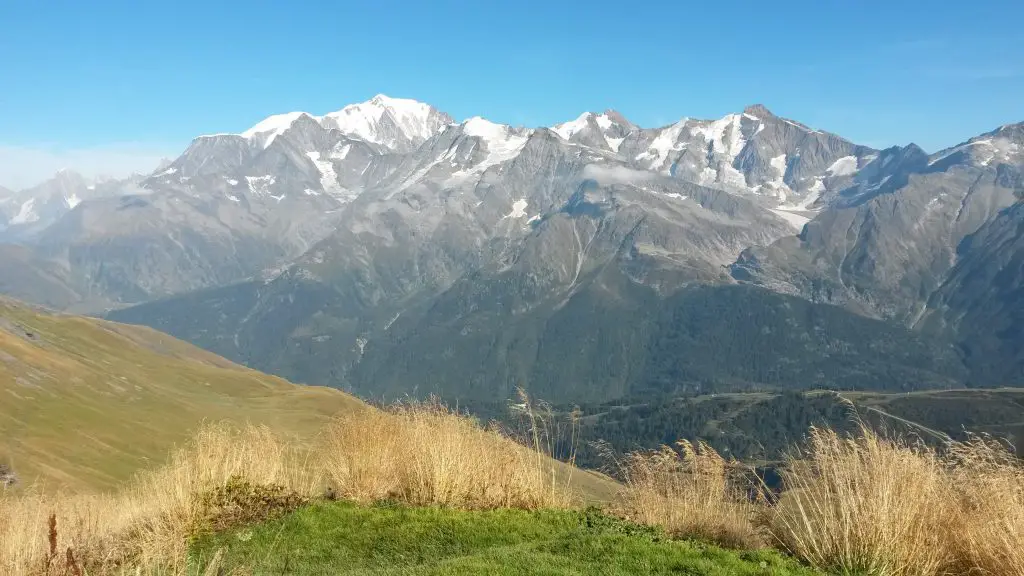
{"type": "Point", "coordinates": [25, 166]}
{"type": "Point", "coordinates": [608, 175]}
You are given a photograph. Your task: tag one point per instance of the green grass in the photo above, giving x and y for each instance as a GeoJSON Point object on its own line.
{"type": "Point", "coordinates": [343, 538]}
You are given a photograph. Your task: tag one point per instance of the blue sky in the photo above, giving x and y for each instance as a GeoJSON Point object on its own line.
{"type": "Point", "coordinates": [104, 84]}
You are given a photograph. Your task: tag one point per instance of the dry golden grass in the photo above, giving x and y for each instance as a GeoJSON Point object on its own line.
{"type": "Point", "coordinates": [860, 505]}
{"type": "Point", "coordinates": [692, 493]}
{"type": "Point", "coordinates": [853, 505]}
{"type": "Point", "coordinates": [866, 505]}
{"type": "Point", "coordinates": [148, 523]}
{"type": "Point", "coordinates": [425, 453]}
{"type": "Point", "coordinates": [989, 483]}
{"type": "Point", "coordinates": [422, 454]}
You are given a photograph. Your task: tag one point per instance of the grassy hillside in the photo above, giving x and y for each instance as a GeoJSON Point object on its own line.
{"type": "Point", "coordinates": [341, 538]}
{"type": "Point", "coordinates": [86, 403]}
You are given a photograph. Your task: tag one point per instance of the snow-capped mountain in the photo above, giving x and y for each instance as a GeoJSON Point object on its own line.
{"type": "Point", "coordinates": [398, 124]}
{"type": "Point", "coordinates": [907, 221]}
{"type": "Point", "coordinates": [26, 214]}
{"type": "Point", "coordinates": [281, 186]}
{"type": "Point", "coordinates": [606, 130]}
{"type": "Point", "coordinates": [395, 124]}
{"type": "Point", "coordinates": [372, 245]}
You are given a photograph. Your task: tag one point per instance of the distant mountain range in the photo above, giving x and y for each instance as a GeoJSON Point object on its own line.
{"type": "Point", "coordinates": [388, 249]}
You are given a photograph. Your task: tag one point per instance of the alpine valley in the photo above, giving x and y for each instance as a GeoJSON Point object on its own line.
{"type": "Point", "coordinates": [389, 250]}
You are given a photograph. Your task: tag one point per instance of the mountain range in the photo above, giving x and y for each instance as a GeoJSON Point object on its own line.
{"type": "Point", "coordinates": [387, 249]}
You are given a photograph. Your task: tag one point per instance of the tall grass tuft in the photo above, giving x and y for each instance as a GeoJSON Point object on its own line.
{"type": "Point", "coordinates": [989, 483]}
{"type": "Point", "coordinates": [149, 522]}
{"type": "Point", "coordinates": [866, 505]}
{"type": "Point", "coordinates": [692, 493]}
{"type": "Point", "coordinates": [38, 528]}
{"type": "Point", "coordinates": [424, 453]}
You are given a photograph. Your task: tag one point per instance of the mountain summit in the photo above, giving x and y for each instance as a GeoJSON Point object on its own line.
{"type": "Point", "coordinates": [397, 124]}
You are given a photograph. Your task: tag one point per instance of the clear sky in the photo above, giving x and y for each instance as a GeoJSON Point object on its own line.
{"type": "Point", "coordinates": [108, 85]}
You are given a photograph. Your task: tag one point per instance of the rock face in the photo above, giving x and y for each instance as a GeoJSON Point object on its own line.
{"type": "Point", "coordinates": [981, 300]}
{"type": "Point", "coordinates": [387, 249]}
{"type": "Point", "coordinates": [933, 244]}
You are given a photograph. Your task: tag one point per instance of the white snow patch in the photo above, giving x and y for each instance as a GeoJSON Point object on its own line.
{"type": "Point", "coordinates": [272, 127]}
{"type": "Point", "coordinates": [732, 176]}
{"type": "Point", "coordinates": [72, 201]}
{"type": "Point", "coordinates": [90, 187]}
{"type": "Point", "coordinates": [232, 181]}
{"type": "Point", "coordinates": [518, 209]}
{"type": "Point", "coordinates": [26, 214]}
{"type": "Point", "coordinates": [260, 184]}
{"type": "Point", "coordinates": [502, 144]}
{"type": "Point", "coordinates": [843, 167]}
{"type": "Point", "coordinates": [708, 175]}
{"type": "Point", "coordinates": [567, 129]}
{"type": "Point", "coordinates": [233, 198]}
{"type": "Point", "coordinates": [803, 128]}
{"type": "Point", "coordinates": [604, 121]}
{"type": "Point", "coordinates": [665, 142]}
{"type": "Point", "coordinates": [724, 134]}
{"type": "Point", "coordinates": [779, 164]}
{"type": "Point", "coordinates": [311, 192]}
{"type": "Point", "coordinates": [803, 205]}
{"type": "Point", "coordinates": [614, 143]}
{"type": "Point", "coordinates": [168, 172]}
{"type": "Point", "coordinates": [675, 195]}
{"type": "Point", "coordinates": [795, 220]}
{"type": "Point", "coordinates": [533, 219]}
{"type": "Point", "coordinates": [881, 183]}
{"type": "Point", "coordinates": [328, 177]}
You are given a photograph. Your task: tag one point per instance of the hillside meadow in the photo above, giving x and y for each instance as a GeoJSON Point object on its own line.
{"type": "Point", "coordinates": [138, 454]}
{"type": "Point", "coordinates": [418, 488]}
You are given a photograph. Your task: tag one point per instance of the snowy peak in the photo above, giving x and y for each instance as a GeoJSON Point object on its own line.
{"type": "Point", "coordinates": [501, 142]}
{"type": "Point", "coordinates": [1004, 145]}
{"type": "Point", "coordinates": [568, 129]}
{"type": "Point", "coordinates": [272, 127]}
{"type": "Point", "coordinates": [396, 123]}
{"type": "Point", "coordinates": [28, 212]}
{"type": "Point", "coordinates": [483, 128]}
{"type": "Point", "coordinates": [606, 130]}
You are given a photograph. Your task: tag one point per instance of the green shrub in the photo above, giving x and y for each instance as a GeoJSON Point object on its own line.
{"type": "Point", "coordinates": [239, 502]}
